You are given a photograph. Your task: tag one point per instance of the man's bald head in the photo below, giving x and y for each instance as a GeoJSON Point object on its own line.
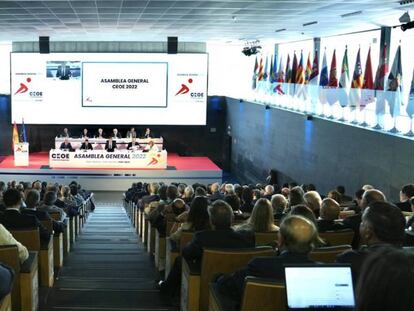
{"type": "Point", "coordinates": [329, 209]}
{"type": "Point", "coordinates": [371, 196]}
{"type": "Point", "coordinates": [298, 234]}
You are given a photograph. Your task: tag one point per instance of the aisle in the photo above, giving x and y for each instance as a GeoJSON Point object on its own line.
{"type": "Point", "coordinates": [107, 269]}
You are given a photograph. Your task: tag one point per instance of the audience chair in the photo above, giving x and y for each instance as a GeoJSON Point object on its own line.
{"type": "Point", "coordinates": [57, 244]}
{"type": "Point", "coordinates": [160, 247]}
{"type": "Point", "coordinates": [171, 254]}
{"type": "Point", "coordinates": [31, 239]}
{"type": "Point", "coordinates": [265, 238]}
{"type": "Point", "coordinates": [195, 282]}
{"type": "Point", "coordinates": [24, 295]}
{"type": "Point", "coordinates": [5, 304]}
{"type": "Point", "coordinates": [66, 234]}
{"type": "Point", "coordinates": [328, 254]}
{"type": "Point", "coordinates": [346, 214]}
{"type": "Point", "coordinates": [341, 237]}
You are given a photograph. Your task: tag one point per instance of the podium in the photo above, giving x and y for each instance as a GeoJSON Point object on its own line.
{"type": "Point", "coordinates": [21, 154]}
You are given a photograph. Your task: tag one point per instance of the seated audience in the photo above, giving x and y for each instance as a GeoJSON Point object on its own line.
{"type": "Point", "coordinates": [188, 194]}
{"type": "Point", "coordinates": [261, 219]}
{"type": "Point", "coordinates": [329, 213]}
{"type": "Point", "coordinates": [382, 225]}
{"type": "Point", "coordinates": [335, 195]}
{"type": "Point", "coordinates": [296, 196]}
{"type": "Point", "coordinates": [297, 238]}
{"type": "Point", "coordinates": [13, 219]}
{"type": "Point", "coordinates": [268, 192]}
{"type": "Point", "coordinates": [228, 189]}
{"type": "Point", "coordinates": [75, 195]}
{"type": "Point", "coordinates": [221, 236]}
{"type": "Point", "coordinates": [386, 282]}
{"type": "Point", "coordinates": [6, 280]}
{"type": "Point", "coordinates": [407, 192]}
{"type": "Point", "coordinates": [247, 200]}
{"type": "Point", "coordinates": [197, 219]}
{"type": "Point", "coordinates": [6, 238]}
{"type": "Point", "coordinates": [313, 201]}
{"type": "Point", "coordinates": [234, 202]}
{"type": "Point", "coordinates": [345, 198]}
{"type": "Point", "coordinates": [215, 193]}
{"type": "Point", "coordinates": [279, 205]}
{"type": "Point", "coordinates": [50, 207]}
{"type": "Point", "coordinates": [304, 211]}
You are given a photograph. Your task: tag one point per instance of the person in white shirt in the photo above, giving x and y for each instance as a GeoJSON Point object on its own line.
{"type": "Point", "coordinates": [6, 238]}
{"type": "Point", "coordinates": [152, 147]}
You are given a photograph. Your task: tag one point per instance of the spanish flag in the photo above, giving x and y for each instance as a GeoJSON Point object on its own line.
{"type": "Point", "coordinates": [15, 135]}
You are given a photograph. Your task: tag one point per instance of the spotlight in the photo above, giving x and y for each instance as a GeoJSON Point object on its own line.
{"type": "Point", "coordinates": [267, 107]}
{"type": "Point", "coordinates": [409, 25]}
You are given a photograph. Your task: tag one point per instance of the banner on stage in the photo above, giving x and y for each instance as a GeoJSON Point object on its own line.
{"type": "Point", "coordinates": [21, 154]}
{"type": "Point", "coordinates": [102, 159]}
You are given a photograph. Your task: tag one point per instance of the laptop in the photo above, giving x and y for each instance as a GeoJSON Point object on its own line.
{"type": "Point", "coordinates": [319, 287]}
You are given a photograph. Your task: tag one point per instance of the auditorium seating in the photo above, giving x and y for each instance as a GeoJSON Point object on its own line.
{"type": "Point", "coordinates": [171, 254]}
{"type": "Point", "coordinates": [265, 238]}
{"type": "Point", "coordinates": [5, 304]}
{"type": "Point", "coordinates": [195, 281]}
{"type": "Point", "coordinates": [328, 254]}
{"type": "Point", "coordinates": [342, 237]}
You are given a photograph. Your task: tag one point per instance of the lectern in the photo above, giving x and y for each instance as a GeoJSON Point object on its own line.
{"type": "Point", "coordinates": [21, 154]}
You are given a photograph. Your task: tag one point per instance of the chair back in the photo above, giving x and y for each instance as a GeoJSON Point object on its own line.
{"type": "Point", "coordinates": [225, 261]}
{"type": "Point", "coordinates": [328, 254]}
{"type": "Point", "coordinates": [340, 237]}
{"type": "Point", "coordinates": [264, 295]}
{"type": "Point", "coordinates": [265, 238]}
{"type": "Point", "coordinates": [48, 224]}
{"type": "Point", "coordinates": [9, 255]}
{"type": "Point", "coordinates": [55, 216]}
{"type": "Point", "coordinates": [28, 237]}
{"type": "Point", "coordinates": [186, 237]}
{"type": "Point", "coordinates": [346, 214]}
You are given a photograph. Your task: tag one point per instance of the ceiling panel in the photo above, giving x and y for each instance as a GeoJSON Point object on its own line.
{"type": "Point", "coordinates": [191, 20]}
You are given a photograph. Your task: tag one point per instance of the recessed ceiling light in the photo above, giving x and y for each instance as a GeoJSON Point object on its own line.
{"type": "Point", "coordinates": [351, 14]}
{"type": "Point", "coordinates": [280, 30]}
{"type": "Point", "coordinates": [310, 23]}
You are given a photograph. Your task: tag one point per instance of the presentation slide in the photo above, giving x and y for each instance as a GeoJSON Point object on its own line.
{"type": "Point", "coordinates": [109, 88]}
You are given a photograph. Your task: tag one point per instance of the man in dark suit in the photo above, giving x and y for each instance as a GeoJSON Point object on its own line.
{"type": "Point", "coordinates": [222, 236]}
{"type": "Point", "coordinates": [110, 145]}
{"type": "Point", "coordinates": [65, 133]}
{"type": "Point", "coordinates": [32, 201]}
{"type": "Point", "coordinates": [329, 212]}
{"type": "Point", "coordinates": [215, 193]}
{"type": "Point", "coordinates": [66, 145]}
{"type": "Point", "coordinates": [86, 145]}
{"type": "Point", "coordinates": [407, 192]}
{"type": "Point", "coordinates": [63, 72]}
{"type": "Point", "coordinates": [133, 144]}
{"type": "Point", "coordinates": [353, 222]}
{"type": "Point", "coordinates": [297, 237]}
{"type": "Point", "coordinates": [12, 218]}
{"type": "Point", "coordinates": [382, 226]}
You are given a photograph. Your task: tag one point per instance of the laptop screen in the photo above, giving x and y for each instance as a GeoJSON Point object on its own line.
{"type": "Point", "coordinates": [319, 287]}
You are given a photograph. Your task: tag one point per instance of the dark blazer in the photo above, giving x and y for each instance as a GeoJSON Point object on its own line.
{"type": "Point", "coordinates": [226, 238]}
{"type": "Point", "coordinates": [67, 146]}
{"type": "Point", "coordinates": [113, 146]}
{"type": "Point", "coordinates": [13, 219]}
{"type": "Point", "coordinates": [357, 257]}
{"type": "Point", "coordinates": [216, 196]}
{"type": "Point", "coordinates": [353, 223]}
{"type": "Point", "coordinates": [86, 147]}
{"type": "Point", "coordinates": [329, 225]}
{"type": "Point", "coordinates": [232, 286]}
{"type": "Point", "coordinates": [404, 206]}
{"type": "Point", "coordinates": [65, 135]}
{"type": "Point", "coordinates": [6, 280]}
{"type": "Point", "coordinates": [129, 147]}
{"type": "Point", "coordinates": [247, 207]}
{"type": "Point", "coordinates": [118, 135]}
{"type": "Point", "coordinates": [42, 215]}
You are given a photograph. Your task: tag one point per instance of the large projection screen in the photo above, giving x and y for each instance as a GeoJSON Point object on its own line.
{"type": "Point", "coordinates": [109, 88]}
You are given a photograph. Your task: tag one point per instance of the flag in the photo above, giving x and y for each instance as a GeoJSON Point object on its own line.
{"type": "Point", "coordinates": [300, 78]}
{"type": "Point", "coordinates": [357, 82]}
{"type": "Point", "coordinates": [308, 70]}
{"type": "Point", "coordinates": [331, 92]}
{"type": "Point", "coordinates": [265, 74]}
{"type": "Point", "coordinates": [410, 105]}
{"type": "Point", "coordinates": [368, 92]}
{"type": "Point", "coordinates": [273, 73]}
{"type": "Point", "coordinates": [254, 78]}
{"type": "Point", "coordinates": [344, 81]}
{"type": "Point", "coordinates": [271, 70]}
{"type": "Point", "coordinates": [382, 72]}
{"type": "Point", "coordinates": [260, 74]}
{"type": "Point", "coordinates": [313, 79]}
{"type": "Point", "coordinates": [324, 80]}
{"type": "Point", "coordinates": [288, 76]}
{"type": "Point", "coordinates": [15, 134]}
{"type": "Point", "coordinates": [23, 133]}
{"type": "Point", "coordinates": [280, 73]}
{"type": "Point", "coordinates": [394, 85]}
{"type": "Point", "coordinates": [292, 87]}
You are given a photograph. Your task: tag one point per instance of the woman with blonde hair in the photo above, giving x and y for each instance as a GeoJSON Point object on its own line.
{"type": "Point", "coordinates": [313, 200]}
{"type": "Point", "coordinates": [261, 219]}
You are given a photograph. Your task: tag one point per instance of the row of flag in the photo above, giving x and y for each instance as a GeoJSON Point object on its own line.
{"type": "Point", "coordinates": [16, 138]}
{"type": "Point", "coordinates": [308, 83]}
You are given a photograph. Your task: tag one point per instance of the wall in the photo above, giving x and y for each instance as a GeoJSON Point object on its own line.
{"type": "Point", "coordinates": [322, 152]}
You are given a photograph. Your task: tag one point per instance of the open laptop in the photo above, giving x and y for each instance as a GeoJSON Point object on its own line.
{"type": "Point", "coordinates": [319, 287]}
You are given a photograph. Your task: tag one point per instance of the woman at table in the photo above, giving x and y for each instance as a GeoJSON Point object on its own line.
{"type": "Point", "coordinates": [85, 133]}
{"type": "Point", "coordinates": [86, 145]}
{"type": "Point", "coordinates": [152, 147]}
{"type": "Point", "coordinates": [133, 145]}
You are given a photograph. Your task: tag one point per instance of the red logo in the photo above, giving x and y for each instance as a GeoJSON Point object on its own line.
{"type": "Point", "coordinates": [23, 87]}
{"type": "Point", "coordinates": [278, 89]}
{"type": "Point", "coordinates": [184, 88]}
{"type": "Point", "coordinates": [154, 161]}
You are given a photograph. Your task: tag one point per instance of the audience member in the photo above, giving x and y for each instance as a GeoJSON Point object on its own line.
{"type": "Point", "coordinates": [304, 211]}
{"type": "Point", "coordinates": [247, 200]}
{"type": "Point", "coordinates": [6, 238]}
{"type": "Point", "coordinates": [296, 196]}
{"type": "Point", "coordinates": [329, 213]}
{"type": "Point", "coordinates": [268, 192]}
{"type": "Point", "coordinates": [50, 207]}
{"type": "Point", "coordinates": [313, 201]}
{"type": "Point", "coordinates": [382, 225]}
{"type": "Point", "coordinates": [407, 192]}
{"type": "Point", "coordinates": [279, 205]}
{"type": "Point", "coordinates": [215, 193]}
{"type": "Point", "coordinates": [345, 198]}
{"type": "Point", "coordinates": [386, 282]}
{"type": "Point", "coordinates": [335, 195]}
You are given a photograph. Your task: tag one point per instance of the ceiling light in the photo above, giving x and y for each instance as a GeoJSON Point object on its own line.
{"type": "Point", "coordinates": [310, 23]}
{"type": "Point", "coordinates": [351, 14]}
{"type": "Point", "coordinates": [280, 30]}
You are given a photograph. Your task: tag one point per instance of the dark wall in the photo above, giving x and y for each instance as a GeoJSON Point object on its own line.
{"type": "Point", "coordinates": [322, 152]}
{"type": "Point", "coordinates": [186, 140]}
{"type": "Point", "coordinates": [5, 127]}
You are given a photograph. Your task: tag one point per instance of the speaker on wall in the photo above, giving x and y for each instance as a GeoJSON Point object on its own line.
{"type": "Point", "coordinates": [44, 45]}
{"type": "Point", "coordinates": [172, 45]}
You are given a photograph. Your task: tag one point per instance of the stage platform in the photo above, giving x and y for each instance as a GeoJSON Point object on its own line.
{"type": "Point", "coordinates": [180, 169]}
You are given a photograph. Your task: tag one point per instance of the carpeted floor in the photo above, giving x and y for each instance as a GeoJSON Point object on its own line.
{"type": "Point", "coordinates": [108, 269]}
